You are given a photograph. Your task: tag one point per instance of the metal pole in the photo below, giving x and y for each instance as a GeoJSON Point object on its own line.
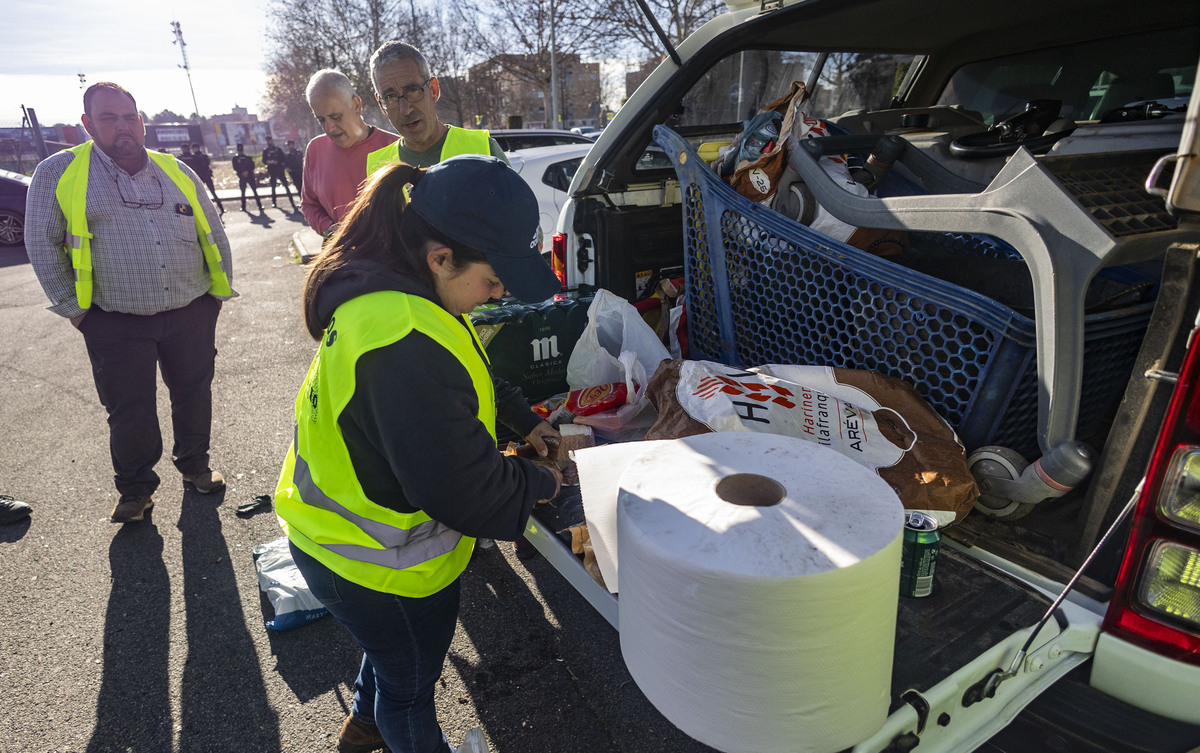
{"type": "Point", "coordinates": [36, 131]}
{"type": "Point", "coordinates": [553, 73]}
{"type": "Point", "coordinates": [186, 68]}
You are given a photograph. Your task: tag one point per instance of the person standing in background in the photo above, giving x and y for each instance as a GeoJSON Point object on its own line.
{"type": "Point", "coordinates": [293, 160]}
{"type": "Point", "coordinates": [335, 163]}
{"type": "Point", "coordinates": [244, 167]}
{"type": "Point", "coordinates": [273, 158]}
{"type": "Point", "coordinates": [201, 164]}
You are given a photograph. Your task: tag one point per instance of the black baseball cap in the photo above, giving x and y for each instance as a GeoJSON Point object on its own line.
{"type": "Point", "coordinates": [481, 202]}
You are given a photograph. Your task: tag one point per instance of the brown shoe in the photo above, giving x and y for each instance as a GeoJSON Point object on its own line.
{"type": "Point", "coordinates": [207, 481]}
{"type": "Point", "coordinates": [359, 737]}
{"type": "Point", "coordinates": [131, 509]}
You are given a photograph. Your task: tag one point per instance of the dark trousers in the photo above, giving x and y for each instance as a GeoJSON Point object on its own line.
{"type": "Point", "coordinates": [126, 350]}
{"type": "Point", "coordinates": [211, 189]}
{"type": "Point", "coordinates": [244, 181]}
{"type": "Point", "coordinates": [404, 642]}
{"type": "Point", "coordinates": [279, 176]}
{"type": "Point", "coordinates": [297, 180]}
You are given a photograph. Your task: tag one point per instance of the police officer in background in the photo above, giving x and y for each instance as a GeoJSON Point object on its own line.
{"type": "Point", "coordinates": [201, 164]}
{"type": "Point", "coordinates": [293, 160]}
{"type": "Point", "coordinates": [273, 158]}
{"type": "Point", "coordinates": [244, 167]}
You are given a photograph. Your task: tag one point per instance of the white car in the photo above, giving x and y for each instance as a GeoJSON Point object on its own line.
{"type": "Point", "coordinates": [548, 170]}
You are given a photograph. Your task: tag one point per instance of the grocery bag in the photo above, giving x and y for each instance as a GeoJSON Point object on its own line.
{"type": "Point", "coordinates": [285, 587]}
{"type": "Point", "coordinates": [879, 421]}
{"type": "Point", "coordinates": [617, 346]}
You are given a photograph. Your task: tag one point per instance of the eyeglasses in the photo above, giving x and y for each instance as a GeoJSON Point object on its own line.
{"type": "Point", "coordinates": [137, 204]}
{"type": "Point", "coordinates": [412, 94]}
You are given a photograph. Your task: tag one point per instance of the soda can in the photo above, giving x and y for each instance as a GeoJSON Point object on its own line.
{"type": "Point", "coordinates": [922, 540]}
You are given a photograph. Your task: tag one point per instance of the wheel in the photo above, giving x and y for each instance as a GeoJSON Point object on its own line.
{"type": "Point", "coordinates": [1025, 129]}
{"type": "Point", "coordinates": [12, 228]}
{"type": "Point", "coordinates": [997, 463]}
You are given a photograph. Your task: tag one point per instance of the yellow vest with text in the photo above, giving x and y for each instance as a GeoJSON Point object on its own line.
{"type": "Point", "coordinates": [458, 141]}
{"type": "Point", "coordinates": [71, 193]}
{"type": "Point", "coordinates": [319, 498]}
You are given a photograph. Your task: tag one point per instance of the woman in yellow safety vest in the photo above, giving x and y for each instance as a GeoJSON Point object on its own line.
{"type": "Point", "coordinates": [394, 471]}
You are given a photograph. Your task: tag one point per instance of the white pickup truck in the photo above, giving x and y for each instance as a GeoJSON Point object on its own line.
{"type": "Point", "coordinates": [1046, 193]}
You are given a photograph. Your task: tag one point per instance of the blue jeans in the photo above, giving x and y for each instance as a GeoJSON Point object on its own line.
{"type": "Point", "coordinates": [404, 642]}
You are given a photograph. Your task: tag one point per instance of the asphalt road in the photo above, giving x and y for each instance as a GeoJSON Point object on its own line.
{"type": "Point", "coordinates": [149, 637]}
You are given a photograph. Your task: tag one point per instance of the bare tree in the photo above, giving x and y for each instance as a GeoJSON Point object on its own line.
{"type": "Point", "coordinates": [623, 30]}
{"type": "Point", "coordinates": [516, 35]}
{"type": "Point", "coordinates": [341, 34]}
{"type": "Point", "coordinates": [167, 116]}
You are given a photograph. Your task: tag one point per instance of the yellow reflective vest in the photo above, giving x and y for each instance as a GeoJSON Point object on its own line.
{"type": "Point", "coordinates": [71, 193]}
{"type": "Point", "coordinates": [458, 141]}
{"type": "Point", "coordinates": [319, 498]}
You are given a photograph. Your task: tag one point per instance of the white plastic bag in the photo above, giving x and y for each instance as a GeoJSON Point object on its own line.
{"type": "Point", "coordinates": [617, 346]}
{"type": "Point", "coordinates": [286, 589]}
{"type": "Point", "coordinates": [614, 328]}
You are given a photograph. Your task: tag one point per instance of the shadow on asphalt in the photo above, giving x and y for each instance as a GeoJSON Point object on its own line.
{"type": "Point", "coordinates": [224, 703]}
{"type": "Point", "coordinates": [517, 668]}
{"type": "Point", "coordinates": [315, 658]}
{"type": "Point", "coordinates": [14, 532]}
{"type": "Point", "coordinates": [567, 634]}
{"type": "Point", "coordinates": [134, 707]}
{"type": "Point", "coordinates": [11, 256]}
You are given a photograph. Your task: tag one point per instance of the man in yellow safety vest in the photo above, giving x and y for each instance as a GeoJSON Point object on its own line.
{"type": "Point", "coordinates": [129, 248]}
{"type": "Point", "coordinates": [408, 93]}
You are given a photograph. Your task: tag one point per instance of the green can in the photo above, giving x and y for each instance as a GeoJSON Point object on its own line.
{"type": "Point", "coordinates": [922, 540]}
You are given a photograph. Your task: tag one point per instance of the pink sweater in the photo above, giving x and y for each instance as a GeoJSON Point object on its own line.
{"type": "Point", "coordinates": [332, 176]}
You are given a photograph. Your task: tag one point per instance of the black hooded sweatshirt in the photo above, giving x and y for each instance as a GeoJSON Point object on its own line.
{"type": "Point", "coordinates": [412, 430]}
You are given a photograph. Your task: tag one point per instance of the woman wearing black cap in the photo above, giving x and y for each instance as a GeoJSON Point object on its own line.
{"type": "Point", "coordinates": [394, 469]}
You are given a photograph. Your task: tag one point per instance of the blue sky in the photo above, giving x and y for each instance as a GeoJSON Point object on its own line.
{"type": "Point", "coordinates": [48, 42]}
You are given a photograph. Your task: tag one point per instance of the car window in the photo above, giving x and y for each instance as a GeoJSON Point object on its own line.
{"type": "Point", "coordinates": [741, 85]}
{"type": "Point", "coordinates": [1091, 79]}
{"type": "Point", "coordinates": [514, 142]}
{"type": "Point", "coordinates": [856, 81]}
{"type": "Point", "coordinates": [559, 174]}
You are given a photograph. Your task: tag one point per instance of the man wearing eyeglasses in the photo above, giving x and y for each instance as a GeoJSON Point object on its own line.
{"type": "Point", "coordinates": [335, 163]}
{"type": "Point", "coordinates": [408, 93]}
{"type": "Point", "coordinates": [130, 249]}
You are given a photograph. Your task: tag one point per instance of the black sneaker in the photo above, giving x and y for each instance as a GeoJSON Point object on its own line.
{"type": "Point", "coordinates": [131, 509]}
{"type": "Point", "coordinates": [12, 510]}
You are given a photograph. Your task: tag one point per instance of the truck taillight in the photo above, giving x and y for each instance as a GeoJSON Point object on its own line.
{"type": "Point", "coordinates": [558, 257]}
{"type": "Point", "coordinates": [1156, 603]}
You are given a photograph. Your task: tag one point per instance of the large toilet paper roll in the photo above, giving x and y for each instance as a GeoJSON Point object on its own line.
{"type": "Point", "coordinates": [759, 582]}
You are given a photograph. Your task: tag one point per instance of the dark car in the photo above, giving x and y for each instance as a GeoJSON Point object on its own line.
{"type": "Point", "coordinates": [513, 139]}
{"type": "Point", "coordinates": [13, 187]}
